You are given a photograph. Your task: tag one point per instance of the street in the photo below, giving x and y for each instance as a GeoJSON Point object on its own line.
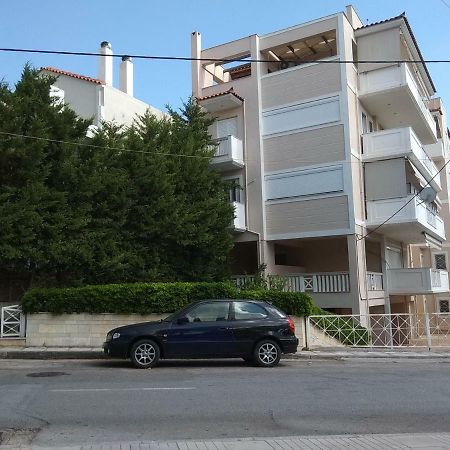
{"type": "Point", "coordinates": [79, 402]}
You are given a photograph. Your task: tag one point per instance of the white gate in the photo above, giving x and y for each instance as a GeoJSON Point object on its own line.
{"type": "Point", "coordinates": [12, 322]}
{"type": "Point", "coordinates": [380, 330]}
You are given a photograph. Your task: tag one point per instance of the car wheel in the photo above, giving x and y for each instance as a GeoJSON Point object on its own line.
{"type": "Point", "coordinates": [267, 353]}
{"type": "Point", "coordinates": [144, 354]}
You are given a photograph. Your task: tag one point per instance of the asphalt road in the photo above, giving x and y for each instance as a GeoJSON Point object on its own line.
{"type": "Point", "coordinates": [76, 402]}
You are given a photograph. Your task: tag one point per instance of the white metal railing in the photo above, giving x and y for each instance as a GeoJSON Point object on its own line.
{"type": "Point", "coordinates": [314, 282]}
{"type": "Point", "coordinates": [12, 323]}
{"type": "Point", "coordinates": [228, 148]}
{"type": "Point", "coordinates": [379, 330]}
{"type": "Point", "coordinates": [416, 281]}
{"type": "Point", "coordinates": [374, 281]}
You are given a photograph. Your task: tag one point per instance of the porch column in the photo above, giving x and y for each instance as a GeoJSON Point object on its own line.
{"type": "Point", "coordinates": [267, 256]}
{"type": "Point", "coordinates": [357, 271]}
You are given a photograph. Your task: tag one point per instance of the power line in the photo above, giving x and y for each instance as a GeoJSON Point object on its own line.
{"type": "Point", "coordinates": [445, 3]}
{"type": "Point", "coordinates": [220, 60]}
{"type": "Point", "coordinates": [85, 144]}
{"type": "Point", "coordinates": [405, 205]}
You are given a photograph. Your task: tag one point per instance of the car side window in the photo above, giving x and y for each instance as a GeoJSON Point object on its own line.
{"type": "Point", "coordinates": [209, 312]}
{"type": "Point", "coordinates": [249, 311]}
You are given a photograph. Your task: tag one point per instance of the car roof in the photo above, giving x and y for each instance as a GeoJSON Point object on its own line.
{"type": "Point", "coordinates": [231, 300]}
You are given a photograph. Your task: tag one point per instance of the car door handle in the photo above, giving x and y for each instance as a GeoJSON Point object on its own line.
{"type": "Point", "coordinates": [223, 328]}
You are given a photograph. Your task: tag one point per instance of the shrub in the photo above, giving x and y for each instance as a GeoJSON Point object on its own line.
{"type": "Point", "coordinates": [148, 298]}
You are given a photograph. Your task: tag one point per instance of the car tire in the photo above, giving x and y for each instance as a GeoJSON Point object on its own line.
{"type": "Point", "coordinates": [267, 353]}
{"type": "Point", "coordinates": [144, 354]}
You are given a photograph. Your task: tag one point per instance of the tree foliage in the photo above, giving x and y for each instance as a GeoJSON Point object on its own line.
{"type": "Point", "coordinates": [128, 204]}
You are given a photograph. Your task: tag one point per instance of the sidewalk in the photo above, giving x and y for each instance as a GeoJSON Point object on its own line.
{"type": "Point", "coordinates": [324, 353]}
{"type": "Point", "coordinates": [370, 441]}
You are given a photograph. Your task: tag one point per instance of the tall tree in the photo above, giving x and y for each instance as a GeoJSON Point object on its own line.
{"type": "Point", "coordinates": [137, 203]}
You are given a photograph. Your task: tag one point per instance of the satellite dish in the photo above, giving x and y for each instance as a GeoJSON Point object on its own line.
{"type": "Point", "coordinates": [428, 194]}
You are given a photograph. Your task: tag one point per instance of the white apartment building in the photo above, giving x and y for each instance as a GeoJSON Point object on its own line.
{"type": "Point", "coordinates": [97, 98]}
{"type": "Point", "coordinates": [326, 144]}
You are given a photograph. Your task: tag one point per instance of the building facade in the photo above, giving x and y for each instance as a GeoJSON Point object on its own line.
{"type": "Point", "coordinates": [331, 129]}
{"type": "Point", "coordinates": [97, 98]}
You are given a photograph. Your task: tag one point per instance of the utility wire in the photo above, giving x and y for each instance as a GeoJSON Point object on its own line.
{"type": "Point", "coordinates": [25, 136]}
{"type": "Point", "coordinates": [404, 206]}
{"type": "Point", "coordinates": [221, 60]}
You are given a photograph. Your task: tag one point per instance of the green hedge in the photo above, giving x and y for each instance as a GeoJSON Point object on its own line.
{"type": "Point", "coordinates": [148, 298]}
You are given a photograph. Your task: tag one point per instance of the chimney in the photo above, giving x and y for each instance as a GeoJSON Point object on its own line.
{"type": "Point", "coordinates": [105, 72]}
{"type": "Point", "coordinates": [126, 75]}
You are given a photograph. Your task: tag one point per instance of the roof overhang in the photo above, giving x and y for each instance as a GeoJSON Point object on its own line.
{"type": "Point", "coordinates": [221, 101]}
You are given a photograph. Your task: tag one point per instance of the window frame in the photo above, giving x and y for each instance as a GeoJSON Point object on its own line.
{"type": "Point", "coordinates": [444, 254]}
{"type": "Point", "coordinates": [233, 311]}
{"type": "Point", "coordinates": [439, 300]}
{"type": "Point", "coordinates": [197, 305]}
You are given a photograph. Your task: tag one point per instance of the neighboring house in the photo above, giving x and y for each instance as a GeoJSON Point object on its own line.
{"type": "Point", "coordinates": [325, 153]}
{"type": "Point", "coordinates": [97, 98]}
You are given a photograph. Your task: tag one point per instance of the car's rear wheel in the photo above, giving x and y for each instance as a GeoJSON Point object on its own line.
{"type": "Point", "coordinates": [267, 353]}
{"type": "Point", "coordinates": [144, 354]}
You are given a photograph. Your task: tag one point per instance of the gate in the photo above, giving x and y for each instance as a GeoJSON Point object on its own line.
{"type": "Point", "coordinates": [379, 330]}
{"type": "Point", "coordinates": [12, 322]}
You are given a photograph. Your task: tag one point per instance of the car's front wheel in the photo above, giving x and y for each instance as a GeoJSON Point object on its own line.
{"type": "Point", "coordinates": [267, 353]}
{"type": "Point", "coordinates": [144, 354]}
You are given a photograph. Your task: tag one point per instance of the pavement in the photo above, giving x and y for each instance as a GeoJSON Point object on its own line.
{"type": "Point", "coordinates": [373, 441]}
{"type": "Point", "coordinates": [322, 353]}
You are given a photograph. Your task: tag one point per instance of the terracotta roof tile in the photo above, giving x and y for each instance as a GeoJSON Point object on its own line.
{"type": "Point", "coordinates": [230, 91]}
{"type": "Point", "coordinates": [402, 15]}
{"type": "Point", "coordinates": [72, 74]}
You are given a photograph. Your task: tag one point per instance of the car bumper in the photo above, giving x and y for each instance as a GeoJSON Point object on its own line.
{"type": "Point", "coordinates": [115, 349]}
{"type": "Point", "coordinates": [289, 345]}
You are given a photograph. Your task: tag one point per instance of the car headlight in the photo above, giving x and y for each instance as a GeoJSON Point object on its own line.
{"type": "Point", "coordinates": [116, 335]}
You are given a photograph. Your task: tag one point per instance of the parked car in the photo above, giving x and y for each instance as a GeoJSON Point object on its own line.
{"type": "Point", "coordinates": [253, 330]}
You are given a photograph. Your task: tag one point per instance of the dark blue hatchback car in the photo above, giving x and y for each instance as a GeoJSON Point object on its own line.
{"type": "Point", "coordinates": [253, 330]}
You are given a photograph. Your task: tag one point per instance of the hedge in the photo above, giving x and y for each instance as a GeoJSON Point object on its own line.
{"type": "Point", "coordinates": [152, 298]}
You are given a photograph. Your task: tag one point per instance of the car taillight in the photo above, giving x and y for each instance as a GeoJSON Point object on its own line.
{"type": "Point", "coordinates": [291, 324]}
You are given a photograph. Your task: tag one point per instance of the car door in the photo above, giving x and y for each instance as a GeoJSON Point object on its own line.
{"type": "Point", "coordinates": [249, 322]}
{"type": "Point", "coordinates": [203, 331]}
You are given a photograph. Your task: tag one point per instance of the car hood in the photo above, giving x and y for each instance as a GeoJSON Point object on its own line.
{"type": "Point", "coordinates": [135, 327]}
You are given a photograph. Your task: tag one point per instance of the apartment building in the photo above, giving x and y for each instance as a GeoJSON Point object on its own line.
{"type": "Point", "coordinates": [329, 150]}
{"type": "Point", "coordinates": [97, 98]}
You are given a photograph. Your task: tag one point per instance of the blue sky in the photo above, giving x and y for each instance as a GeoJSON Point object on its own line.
{"type": "Point", "coordinates": [163, 28]}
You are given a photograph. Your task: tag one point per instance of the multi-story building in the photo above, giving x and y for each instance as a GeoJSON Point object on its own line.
{"type": "Point", "coordinates": [330, 130]}
{"type": "Point", "coordinates": [97, 98]}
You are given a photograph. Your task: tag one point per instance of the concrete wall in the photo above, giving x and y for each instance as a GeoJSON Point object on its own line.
{"type": "Point", "coordinates": [89, 330]}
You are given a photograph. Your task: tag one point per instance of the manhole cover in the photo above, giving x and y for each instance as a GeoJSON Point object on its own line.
{"type": "Point", "coordinates": [46, 374]}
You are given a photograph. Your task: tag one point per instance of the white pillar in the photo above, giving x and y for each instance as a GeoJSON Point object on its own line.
{"type": "Point", "coordinates": [126, 75]}
{"type": "Point", "coordinates": [105, 72]}
{"type": "Point", "coordinates": [196, 52]}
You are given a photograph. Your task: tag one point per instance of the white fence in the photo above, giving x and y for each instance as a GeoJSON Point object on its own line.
{"type": "Point", "coordinates": [381, 330]}
{"type": "Point", "coordinates": [313, 282]}
{"type": "Point", "coordinates": [12, 322]}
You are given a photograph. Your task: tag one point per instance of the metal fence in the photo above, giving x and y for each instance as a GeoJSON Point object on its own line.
{"type": "Point", "coordinates": [379, 330]}
{"type": "Point", "coordinates": [12, 322]}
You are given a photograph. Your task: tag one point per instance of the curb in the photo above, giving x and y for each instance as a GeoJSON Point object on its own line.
{"type": "Point", "coordinates": [52, 354]}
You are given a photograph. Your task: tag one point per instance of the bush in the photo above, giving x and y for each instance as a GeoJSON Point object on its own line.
{"type": "Point", "coordinates": [152, 298]}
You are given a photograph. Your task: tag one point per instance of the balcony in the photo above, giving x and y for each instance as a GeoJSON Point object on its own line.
{"type": "Point", "coordinates": [392, 95]}
{"type": "Point", "coordinates": [229, 154]}
{"type": "Point", "coordinates": [417, 281]}
{"type": "Point", "coordinates": [332, 282]}
{"type": "Point", "coordinates": [397, 143]}
{"type": "Point", "coordinates": [410, 224]}
{"type": "Point", "coordinates": [437, 150]}
{"type": "Point", "coordinates": [239, 216]}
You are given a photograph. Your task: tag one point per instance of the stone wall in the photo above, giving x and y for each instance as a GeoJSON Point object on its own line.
{"type": "Point", "coordinates": [89, 330]}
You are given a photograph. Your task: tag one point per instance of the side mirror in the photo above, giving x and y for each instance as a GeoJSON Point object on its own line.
{"type": "Point", "coordinates": [182, 320]}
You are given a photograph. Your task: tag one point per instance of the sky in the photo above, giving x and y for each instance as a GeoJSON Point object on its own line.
{"type": "Point", "coordinates": [156, 27]}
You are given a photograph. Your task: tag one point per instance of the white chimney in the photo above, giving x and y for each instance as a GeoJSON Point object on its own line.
{"type": "Point", "coordinates": [105, 72]}
{"type": "Point", "coordinates": [126, 75]}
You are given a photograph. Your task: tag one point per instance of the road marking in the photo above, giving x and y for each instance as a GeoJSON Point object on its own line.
{"type": "Point", "coordinates": [125, 389]}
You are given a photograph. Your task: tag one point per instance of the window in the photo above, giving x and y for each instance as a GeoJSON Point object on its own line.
{"type": "Point", "coordinates": [235, 191]}
{"type": "Point", "coordinates": [248, 311]}
{"type": "Point", "coordinates": [444, 306]}
{"type": "Point", "coordinates": [209, 312]}
{"type": "Point", "coordinates": [440, 261]}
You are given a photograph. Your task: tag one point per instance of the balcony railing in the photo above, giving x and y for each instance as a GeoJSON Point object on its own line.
{"type": "Point", "coordinates": [416, 211]}
{"type": "Point", "coordinates": [416, 281]}
{"type": "Point", "coordinates": [381, 88]}
{"type": "Point", "coordinates": [436, 150]}
{"type": "Point", "coordinates": [375, 281]}
{"type": "Point", "coordinates": [228, 153]}
{"type": "Point", "coordinates": [333, 282]}
{"type": "Point", "coordinates": [401, 142]}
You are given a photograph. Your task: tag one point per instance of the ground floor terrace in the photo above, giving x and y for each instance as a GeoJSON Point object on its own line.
{"type": "Point", "coordinates": [343, 274]}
